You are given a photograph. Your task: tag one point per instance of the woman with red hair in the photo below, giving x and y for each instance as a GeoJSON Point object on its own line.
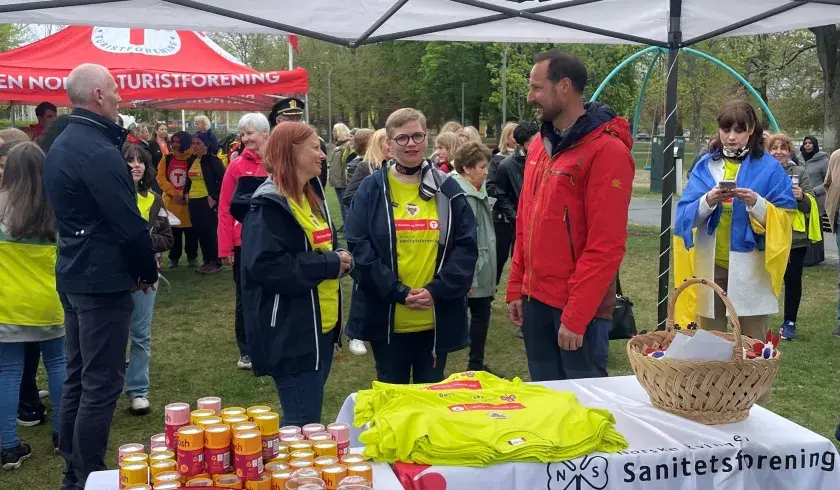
{"type": "Point", "coordinates": [291, 264]}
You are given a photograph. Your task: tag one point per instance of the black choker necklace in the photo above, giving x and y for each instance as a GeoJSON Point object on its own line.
{"type": "Point", "coordinates": [406, 170]}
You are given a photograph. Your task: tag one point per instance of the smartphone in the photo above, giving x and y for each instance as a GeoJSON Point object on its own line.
{"type": "Point", "coordinates": [794, 179]}
{"type": "Point", "coordinates": [727, 185]}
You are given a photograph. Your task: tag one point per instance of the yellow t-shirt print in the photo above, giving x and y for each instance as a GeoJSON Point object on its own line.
{"type": "Point", "coordinates": [319, 234]}
{"type": "Point", "coordinates": [418, 231]}
{"type": "Point", "coordinates": [723, 235]}
{"type": "Point", "coordinates": [198, 188]}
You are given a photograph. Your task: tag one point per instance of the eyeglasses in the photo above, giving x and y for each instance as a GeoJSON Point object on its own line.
{"type": "Point", "coordinates": [402, 139]}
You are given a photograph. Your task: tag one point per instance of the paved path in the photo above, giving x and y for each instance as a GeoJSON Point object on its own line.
{"type": "Point", "coordinates": [646, 212]}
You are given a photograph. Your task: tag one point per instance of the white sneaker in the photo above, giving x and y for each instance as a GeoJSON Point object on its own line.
{"type": "Point", "coordinates": [244, 362]}
{"type": "Point", "coordinates": [140, 405]}
{"type": "Point", "coordinates": [357, 347]}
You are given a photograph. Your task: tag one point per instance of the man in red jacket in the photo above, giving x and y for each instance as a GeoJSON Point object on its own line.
{"type": "Point", "coordinates": [571, 229]}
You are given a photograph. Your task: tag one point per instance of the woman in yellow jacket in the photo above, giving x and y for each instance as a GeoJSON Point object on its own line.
{"type": "Point", "coordinates": [30, 310]}
{"type": "Point", "coordinates": [172, 177]}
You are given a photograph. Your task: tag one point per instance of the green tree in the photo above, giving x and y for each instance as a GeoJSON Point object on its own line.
{"type": "Point", "coordinates": [449, 70]}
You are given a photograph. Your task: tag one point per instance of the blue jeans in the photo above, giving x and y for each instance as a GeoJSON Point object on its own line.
{"type": "Point", "coordinates": [408, 352]}
{"type": "Point", "coordinates": [137, 374]}
{"type": "Point", "coordinates": [302, 394]}
{"type": "Point", "coordinates": [340, 193]}
{"type": "Point", "coordinates": [11, 372]}
{"type": "Point", "coordinates": [546, 360]}
{"type": "Point", "coordinates": [96, 327]}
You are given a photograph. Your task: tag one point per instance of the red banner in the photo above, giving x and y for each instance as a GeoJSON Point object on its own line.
{"type": "Point", "coordinates": [157, 68]}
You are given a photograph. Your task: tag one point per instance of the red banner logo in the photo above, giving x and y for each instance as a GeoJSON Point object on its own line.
{"type": "Point", "coordinates": [322, 236]}
{"type": "Point", "coordinates": [470, 407]}
{"type": "Point", "coordinates": [416, 224]}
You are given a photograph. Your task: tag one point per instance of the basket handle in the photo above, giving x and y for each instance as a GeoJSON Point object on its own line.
{"type": "Point", "coordinates": [738, 349]}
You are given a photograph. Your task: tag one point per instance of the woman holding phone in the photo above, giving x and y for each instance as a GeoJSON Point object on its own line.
{"type": "Point", "coordinates": [733, 212]}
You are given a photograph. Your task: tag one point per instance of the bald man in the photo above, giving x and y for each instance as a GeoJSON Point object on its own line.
{"type": "Point", "coordinates": [104, 253]}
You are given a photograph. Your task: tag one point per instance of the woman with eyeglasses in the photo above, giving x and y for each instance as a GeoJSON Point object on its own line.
{"type": "Point", "coordinates": [413, 238]}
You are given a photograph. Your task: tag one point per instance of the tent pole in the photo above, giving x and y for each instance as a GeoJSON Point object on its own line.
{"type": "Point", "coordinates": [504, 84]}
{"type": "Point", "coordinates": [669, 179]}
{"type": "Point", "coordinates": [306, 107]}
{"type": "Point", "coordinates": [637, 115]}
{"type": "Point", "coordinates": [12, 114]}
{"type": "Point", "coordinates": [183, 120]}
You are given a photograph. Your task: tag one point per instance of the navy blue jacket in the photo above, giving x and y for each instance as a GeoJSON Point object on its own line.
{"type": "Point", "coordinates": [371, 237]}
{"type": "Point", "coordinates": [280, 276]}
{"type": "Point", "coordinates": [104, 244]}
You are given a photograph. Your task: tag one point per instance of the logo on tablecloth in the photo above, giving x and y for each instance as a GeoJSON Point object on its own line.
{"type": "Point", "coordinates": [584, 474]}
{"type": "Point", "coordinates": [419, 477]}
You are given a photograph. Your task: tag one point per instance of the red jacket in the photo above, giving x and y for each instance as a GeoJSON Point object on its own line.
{"type": "Point", "coordinates": [230, 230]}
{"type": "Point", "coordinates": [571, 229]}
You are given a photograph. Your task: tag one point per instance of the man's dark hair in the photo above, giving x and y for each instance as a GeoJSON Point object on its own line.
{"type": "Point", "coordinates": [563, 65]}
{"type": "Point", "coordinates": [525, 131]}
{"type": "Point", "coordinates": [42, 108]}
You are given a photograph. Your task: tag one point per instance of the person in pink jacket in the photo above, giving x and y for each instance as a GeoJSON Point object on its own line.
{"type": "Point", "coordinates": [253, 131]}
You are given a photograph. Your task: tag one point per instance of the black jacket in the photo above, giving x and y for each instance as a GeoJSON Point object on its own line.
{"type": "Point", "coordinates": [360, 171]}
{"type": "Point", "coordinates": [371, 237]}
{"type": "Point", "coordinates": [492, 168]}
{"type": "Point", "coordinates": [280, 277]}
{"type": "Point", "coordinates": [104, 243]}
{"type": "Point", "coordinates": [324, 168]}
{"type": "Point", "coordinates": [155, 150]}
{"type": "Point", "coordinates": [213, 172]}
{"type": "Point", "coordinates": [507, 184]}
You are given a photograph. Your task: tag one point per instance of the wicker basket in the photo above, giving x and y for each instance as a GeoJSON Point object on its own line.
{"type": "Point", "coordinates": [709, 392]}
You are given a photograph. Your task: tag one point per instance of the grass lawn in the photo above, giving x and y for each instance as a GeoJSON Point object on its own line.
{"type": "Point", "coordinates": [194, 355]}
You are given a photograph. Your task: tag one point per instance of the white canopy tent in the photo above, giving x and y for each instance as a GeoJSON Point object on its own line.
{"type": "Point", "coordinates": [671, 24]}
{"type": "Point", "coordinates": [358, 22]}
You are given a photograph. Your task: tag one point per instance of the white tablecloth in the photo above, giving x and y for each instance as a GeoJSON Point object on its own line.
{"type": "Point", "coordinates": [766, 452]}
{"type": "Point", "coordinates": [383, 477]}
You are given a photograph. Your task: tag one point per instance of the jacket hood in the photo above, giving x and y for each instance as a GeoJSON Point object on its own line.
{"type": "Point", "coordinates": [818, 156]}
{"type": "Point", "coordinates": [468, 188]}
{"type": "Point", "coordinates": [596, 117]}
{"type": "Point", "coordinates": [267, 192]}
{"type": "Point", "coordinates": [250, 156]}
{"type": "Point", "coordinates": [449, 188]}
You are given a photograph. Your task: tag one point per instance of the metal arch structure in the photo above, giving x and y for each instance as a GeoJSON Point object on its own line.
{"type": "Point", "coordinates": [658, 51]}
{"type": "Point", "coordinates": [672, 42]}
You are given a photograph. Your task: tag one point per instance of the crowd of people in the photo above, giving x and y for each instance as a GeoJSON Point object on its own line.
{"type": "Point", "coordinates": [88, 211]}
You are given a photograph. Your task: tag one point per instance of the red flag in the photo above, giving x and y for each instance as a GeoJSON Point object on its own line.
{"type": "Point", "coordinates": [293, 40]}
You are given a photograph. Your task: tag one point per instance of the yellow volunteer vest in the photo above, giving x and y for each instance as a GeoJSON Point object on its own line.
{"type": "Point", "coordinates": [417, 227]}
{"type": "Point", "coordinates": [369, 401]}
{"type": "Point", "coordinates": [480, 427]}
{"type": "Point", "coordinates": [199, 187]}
{"type": "Point", "coordinates": [319, 234]}
{"type": "Point", "coordinates": [724, 229]}
{"type": "Point", "coordinates": [27, 283]}
{"type": "Point", "coordinates": [144, 204]}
